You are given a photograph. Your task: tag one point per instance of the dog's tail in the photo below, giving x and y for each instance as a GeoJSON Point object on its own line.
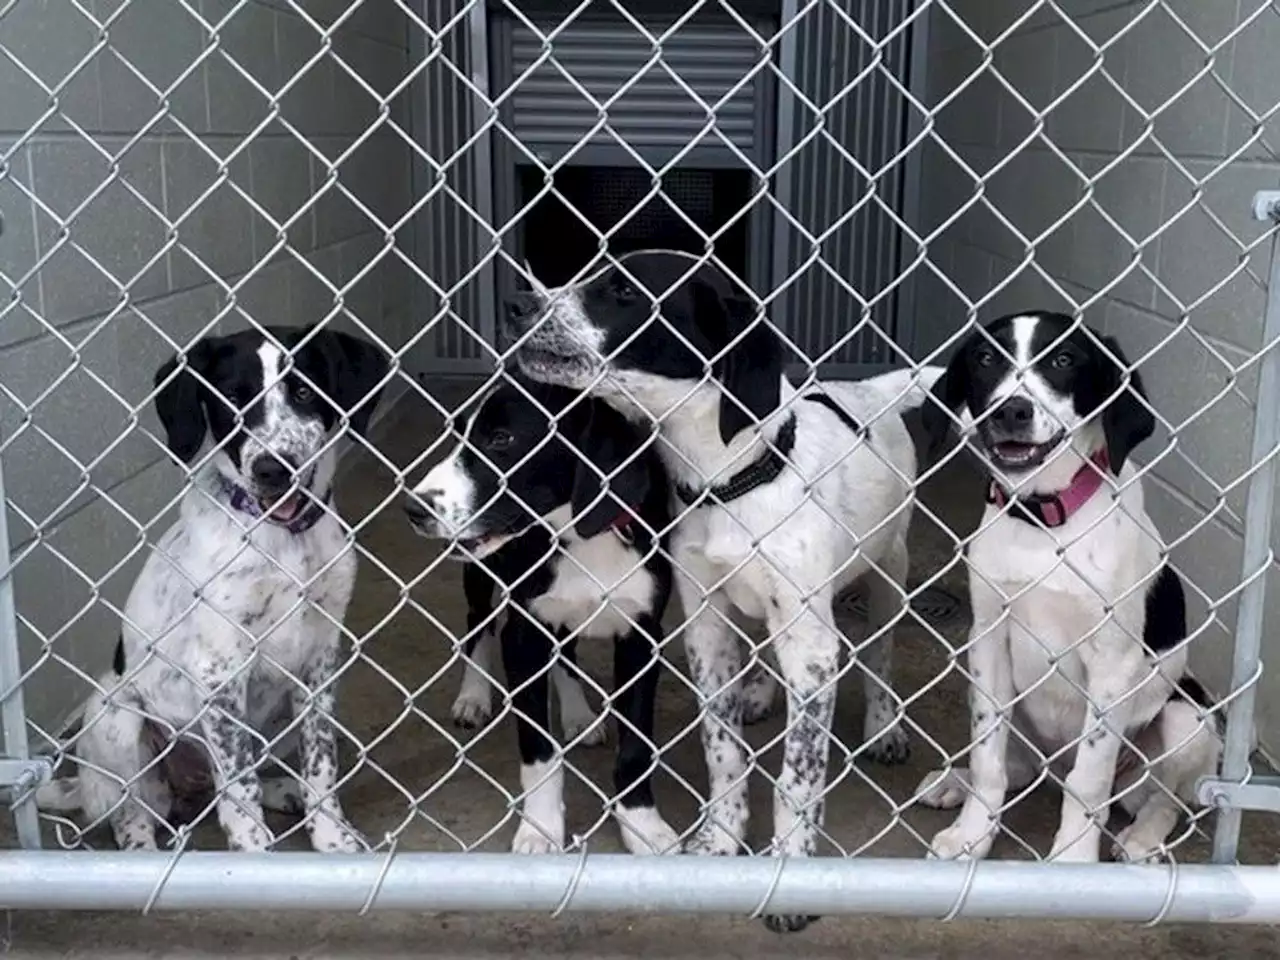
{"type": "Point", "coordinates": [905, 390]}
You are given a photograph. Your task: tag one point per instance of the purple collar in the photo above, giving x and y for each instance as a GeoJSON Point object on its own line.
{"type": "Point", "coordinates": [245, 502]}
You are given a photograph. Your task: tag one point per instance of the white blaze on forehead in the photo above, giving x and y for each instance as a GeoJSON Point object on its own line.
{"type": "Point", "coordinates": [274, 396]}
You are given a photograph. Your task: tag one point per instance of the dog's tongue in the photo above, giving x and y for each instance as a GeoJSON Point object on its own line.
{"type": "Point", "coordinates": [284, 510]}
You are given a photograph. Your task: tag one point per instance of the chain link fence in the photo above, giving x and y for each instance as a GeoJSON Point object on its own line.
{"type": "Point", "coordinates": [878, 179]}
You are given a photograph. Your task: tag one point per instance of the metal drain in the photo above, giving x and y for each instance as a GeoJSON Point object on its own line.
{"type": "Point", "coordinates": [934, 604]}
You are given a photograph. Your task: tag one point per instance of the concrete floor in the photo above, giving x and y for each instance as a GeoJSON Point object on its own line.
{"type": "Point", "coordinates": [423, 780]}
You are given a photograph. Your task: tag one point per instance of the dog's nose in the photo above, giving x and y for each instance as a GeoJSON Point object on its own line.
{"type": "Point", "coordinates": [1014, 414]}
{"type": "Point", "coordinates": [521, 308]}
{"type": "Point", "coordinates": [272, 473]}
{"type": "Point", "coordinates": [415, 506]}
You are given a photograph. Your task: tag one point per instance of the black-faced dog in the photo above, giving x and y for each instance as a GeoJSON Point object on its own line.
{"type": "Point", "coordinates": [1077, 646]}
{"type": "Point", "coordinates": [236, 616]}
{"type": "Point", "coordinates": [789, 496]}
{"type": "Point", "coordinates": [572, 520]}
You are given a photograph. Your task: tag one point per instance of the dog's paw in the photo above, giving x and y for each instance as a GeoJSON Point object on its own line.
{"type": "Point", "coordinates": [645, 833]}
{"type": "Point", "coordinates": [534, 840]}
{"type": "Point", "coordinates": [330, 837]}
{"type": "Point", "coordinates": [944, 789]}
{"type": "Point", "coordinates": [711, 840]}
{"type": "Point", "coordinates": [472, 709]}
{"type": "Point", "coordinates": [959, 843]}
{"type": "Point", "coordinates": [592, 729]}
{"type": "Point", "coordinates": [789, 924]}
{"type": "Point", "coordinates": [1131, 846]}
{"type": "Point", "coordinates": [890, 747]}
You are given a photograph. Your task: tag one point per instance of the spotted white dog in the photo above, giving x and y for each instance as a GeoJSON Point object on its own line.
{"type": "Point", "coordinates": [235, 617]}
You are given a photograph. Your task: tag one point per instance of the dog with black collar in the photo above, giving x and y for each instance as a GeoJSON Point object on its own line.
{"type": "Point", "coordinates": [790, 495]}
{"type": "Point", "coordinates": [1078, 650]}
{"type": "Point", "coordinates": [553, 496]}
{"type": "Point", "coordinates": [236, 617]}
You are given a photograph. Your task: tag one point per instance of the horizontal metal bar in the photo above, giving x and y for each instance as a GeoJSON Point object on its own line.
{"type": "Point", "coordinates": [616, 882]}
{"type": "Point", "coordinates": [1260, 793]}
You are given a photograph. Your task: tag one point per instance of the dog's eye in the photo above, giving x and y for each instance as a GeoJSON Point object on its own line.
{"type": "Point", "coordinates": [1063, 360]}
{"type": "Point", "coordinates": [302, 393]}
{"type": "Point", "coordinates": [985, 357]}
{"type": "Point", "coordinates": [500, 440]}
{"type": "Point", "coordinates": [624, 290]}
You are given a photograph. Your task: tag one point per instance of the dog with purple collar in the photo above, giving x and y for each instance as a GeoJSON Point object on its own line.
{"type": "Point", "coordinates": [235, 620]}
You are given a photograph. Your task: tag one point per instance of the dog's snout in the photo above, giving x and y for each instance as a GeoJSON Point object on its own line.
{"type": "Point", "coordinates": [417, 506]}
{"type": "Point", "coordinates": [521, 309]}
{"type": "Point", "coordinates": [1014, 414]}
{"type": "Point", "coordinates": [272, 472]}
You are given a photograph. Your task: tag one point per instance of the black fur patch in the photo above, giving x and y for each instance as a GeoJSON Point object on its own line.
{"type": "Point", "coordinates": [1166, 612]}
{"type": "Point", "coordinates": [117, 662]}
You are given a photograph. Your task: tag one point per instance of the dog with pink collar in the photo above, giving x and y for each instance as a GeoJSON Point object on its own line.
{"type": "Point", "coordinates": [1077, 655]}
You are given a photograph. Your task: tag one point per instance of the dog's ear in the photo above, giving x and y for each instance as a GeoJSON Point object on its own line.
{"type": "Point", "coordinates": [1127, 420]}
{"type": "Point", "coordinates": [356, 369]}
{"type": "Point", "coordinates": [750, 371]}
{"type": "Point", "coordinates": [612, 476]}
{"type": "Point", "coordinates": [947, 396]}
{"type": "Point", "coordinates": [180, 400]}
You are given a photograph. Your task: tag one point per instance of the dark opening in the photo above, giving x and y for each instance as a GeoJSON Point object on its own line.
{"type": "Point", "coordinates": [605, 195]}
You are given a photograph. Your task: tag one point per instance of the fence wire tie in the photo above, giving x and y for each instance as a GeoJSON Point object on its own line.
{"type": "Point", "coordinates": [963, 896]}
{"type": "Point", "coordinates": [1170, 893]}
{"type": "Point", "coordinates": [759, 911]}
{"type": "Point", "coordinates": [393, 845]}
{"type": "Point", "coordinates": [574, 880]}
{"type": "Point", "coordinates": [183, 838]}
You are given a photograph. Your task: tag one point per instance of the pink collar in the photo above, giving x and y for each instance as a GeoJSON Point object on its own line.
{"type": "Point", "coordinates": [1055, 509]}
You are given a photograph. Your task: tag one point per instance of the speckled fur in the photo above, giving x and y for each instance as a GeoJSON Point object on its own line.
{"type": "Point", "coordinates": [233, 622]}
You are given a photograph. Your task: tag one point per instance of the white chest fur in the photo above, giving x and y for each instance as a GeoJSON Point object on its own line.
{"type": "Point", "coordinates": [600, 588]}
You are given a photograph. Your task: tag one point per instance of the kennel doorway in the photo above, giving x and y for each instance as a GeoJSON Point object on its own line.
{"type": "Point", "coordinates": [807, 206]}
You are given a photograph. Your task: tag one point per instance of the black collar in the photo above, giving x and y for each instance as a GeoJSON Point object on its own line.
{"type": "Point", "coordinates": [764, 469]}
{"type": "Point", "coordinates": [767, 467]}
{"type": "Point", "coordinates": [245, 502]}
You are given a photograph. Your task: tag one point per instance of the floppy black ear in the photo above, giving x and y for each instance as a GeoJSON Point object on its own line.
{"type": "Point", "coordinates": [1127, 420]}
{"type": "Point", "coordinates": [356, 370]}
{"type": "Point", "coordinates": [612, 474]}
{"type": "Point", "coordinates": [750, 371]}
{"type": "Point", "coordinates": [948, 394]}
{"type": "Point", "coordinates": [180, 401]}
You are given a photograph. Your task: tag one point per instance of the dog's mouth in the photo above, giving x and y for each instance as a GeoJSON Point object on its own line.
{"type": "Point", "coordinates": [285, 507]}
{"type": "Point", "coordinates": [1020, 454]}
{"type": "Point", "coordinates": [466, 549]}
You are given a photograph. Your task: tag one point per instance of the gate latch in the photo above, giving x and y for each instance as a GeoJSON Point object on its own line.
{"type": "Point", "coordinates": [1260, 793]}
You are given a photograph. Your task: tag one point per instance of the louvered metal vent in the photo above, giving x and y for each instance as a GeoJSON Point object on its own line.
{"type": "Point", "coordinates": [656, 114]}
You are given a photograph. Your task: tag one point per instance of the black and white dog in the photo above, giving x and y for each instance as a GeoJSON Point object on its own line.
{"type": "Point", "coordinates": [572, 520]}
{"type": "Point", "coordinates": [788, 498]}
{"type": "Point", "coordinates": [1077, 645]}
{"type": "Point", "coordinates": [235, 618]}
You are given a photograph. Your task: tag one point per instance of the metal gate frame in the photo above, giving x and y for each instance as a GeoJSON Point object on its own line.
{"type": "Point", "coordinates": [1218, 892]}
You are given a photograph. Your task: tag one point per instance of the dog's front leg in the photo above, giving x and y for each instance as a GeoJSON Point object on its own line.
{"type": "Point", "coordinates": [1086, 791]}
{"type": "Point", "coordinates": [714, 665]}
{"type": "Point", "coordinates": [991, 694]}
{"type": "Point", "coordinates": [314, 705]}
{"type": "Point", "coordinates": [232, 748]}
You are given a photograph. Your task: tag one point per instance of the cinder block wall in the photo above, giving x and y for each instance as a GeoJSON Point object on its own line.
{"type": "Point", "coordinates": [124, 140]}
{"type": "Point", "coordinates": [1154, 213]}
